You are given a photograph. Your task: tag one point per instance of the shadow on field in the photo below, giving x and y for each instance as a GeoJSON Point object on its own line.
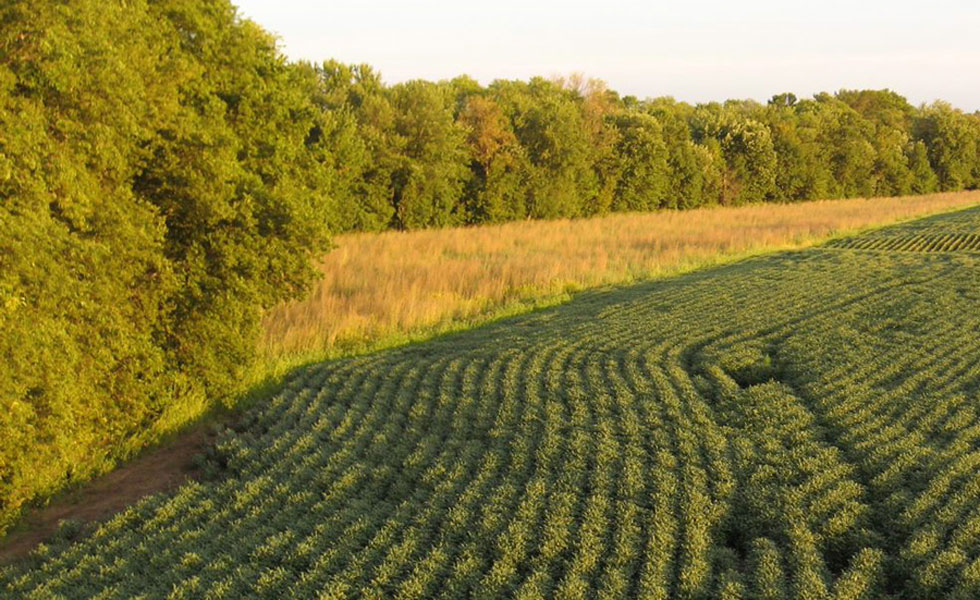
{"type": "Point", "coordinates": [167, 466]}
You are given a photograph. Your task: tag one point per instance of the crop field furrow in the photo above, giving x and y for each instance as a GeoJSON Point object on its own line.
{"type": "Point", "coordinates": [578, 482]}
{"type": "Point", "coordinates": [800, 425]}
{"type": "Point", "coordinates": [877, 420]}
{"type": "Point", "coordinates": [432, 457]}
{"type": "Point", "coordinates": [632, 533]}
{"type": "Point", "coordinates": [551, 509]}
{"type": "Point", "coordinates": [539, 443]}
{"type": "Point", "coordinates": [895, 413]}
{"type": "Point", "coordinates": [867, 406]}
{"type": "Point", "coordinates": [912, 242]}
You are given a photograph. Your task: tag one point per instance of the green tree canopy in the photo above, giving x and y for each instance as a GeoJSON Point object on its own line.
{"type": "Point", "coordinates": [158, 188]}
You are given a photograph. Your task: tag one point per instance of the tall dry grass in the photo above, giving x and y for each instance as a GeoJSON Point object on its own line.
{"type": "Point", "coordinates": [379, 289]}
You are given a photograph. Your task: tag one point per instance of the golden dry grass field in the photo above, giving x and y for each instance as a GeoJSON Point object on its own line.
{"type": "Point", "coordinates": [379, 289]}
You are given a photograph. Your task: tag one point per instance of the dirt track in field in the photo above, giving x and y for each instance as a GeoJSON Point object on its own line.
{"type": "Point", "coordinates": [159, 470]}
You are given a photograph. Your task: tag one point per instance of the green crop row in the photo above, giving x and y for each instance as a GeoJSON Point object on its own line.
{"type": "Point", "coordinates": [948, 242]}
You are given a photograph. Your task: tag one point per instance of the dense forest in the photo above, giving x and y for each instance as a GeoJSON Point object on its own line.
{"type": "Point", "coordinates": [423, 154]}
{"type": "Point", "coordinates": [166, 175]}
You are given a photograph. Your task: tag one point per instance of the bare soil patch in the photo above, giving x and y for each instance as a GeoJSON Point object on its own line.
{"type": "Point", "coordinates": [160, 469]}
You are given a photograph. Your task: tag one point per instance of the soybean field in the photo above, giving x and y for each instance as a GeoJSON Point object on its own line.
{"type": "Point", "coordinates": [800, 425]}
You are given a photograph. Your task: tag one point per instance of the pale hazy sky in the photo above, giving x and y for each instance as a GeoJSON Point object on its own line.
{"type": "Point", "coordinates": [695, 51]}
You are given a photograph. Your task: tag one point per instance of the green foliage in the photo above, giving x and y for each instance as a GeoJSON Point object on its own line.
{"type": "Point", "coordinates": [431, 169]}
{"type": "Point", "coordinates": [232, 173]}
{"type": "Point", "coordinates": [497, 189]}
{"type": "Point", "coordinates": [950, 138]}
{"type": "Point", "coordinates": [641, 163]}
{"type": "Point", "coordinates": [83, 281]}
{"type": "Point", "coordinates": [892, 118]}
{"type": "Point", "coordinates": [846, 136]}
{"type": "Point", "coordinates": [354, 96]}
{"type": "Point", "coordinates": [745, 147]}
{"type": "Point", "coordinates": [550, 125]}
{"type": "Point", "coordinates": [694, 171]}
{"type": "Point", "coordinates": [570, 147]}
{"type": "Point", "coordinates": [157, 194]}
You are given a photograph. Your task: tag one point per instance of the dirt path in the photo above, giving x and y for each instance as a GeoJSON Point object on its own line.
{"type": "Point", "coordinates": [158, 470]}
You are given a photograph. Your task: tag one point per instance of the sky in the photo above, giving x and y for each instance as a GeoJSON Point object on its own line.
{"type": "Point", "coordinates": [695, 51]}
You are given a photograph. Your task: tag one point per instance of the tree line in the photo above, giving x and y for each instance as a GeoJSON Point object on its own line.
{"type": "Point", "coordinates": [430, 154]}
{"type": "Point", "coordinates": [166, 175]}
